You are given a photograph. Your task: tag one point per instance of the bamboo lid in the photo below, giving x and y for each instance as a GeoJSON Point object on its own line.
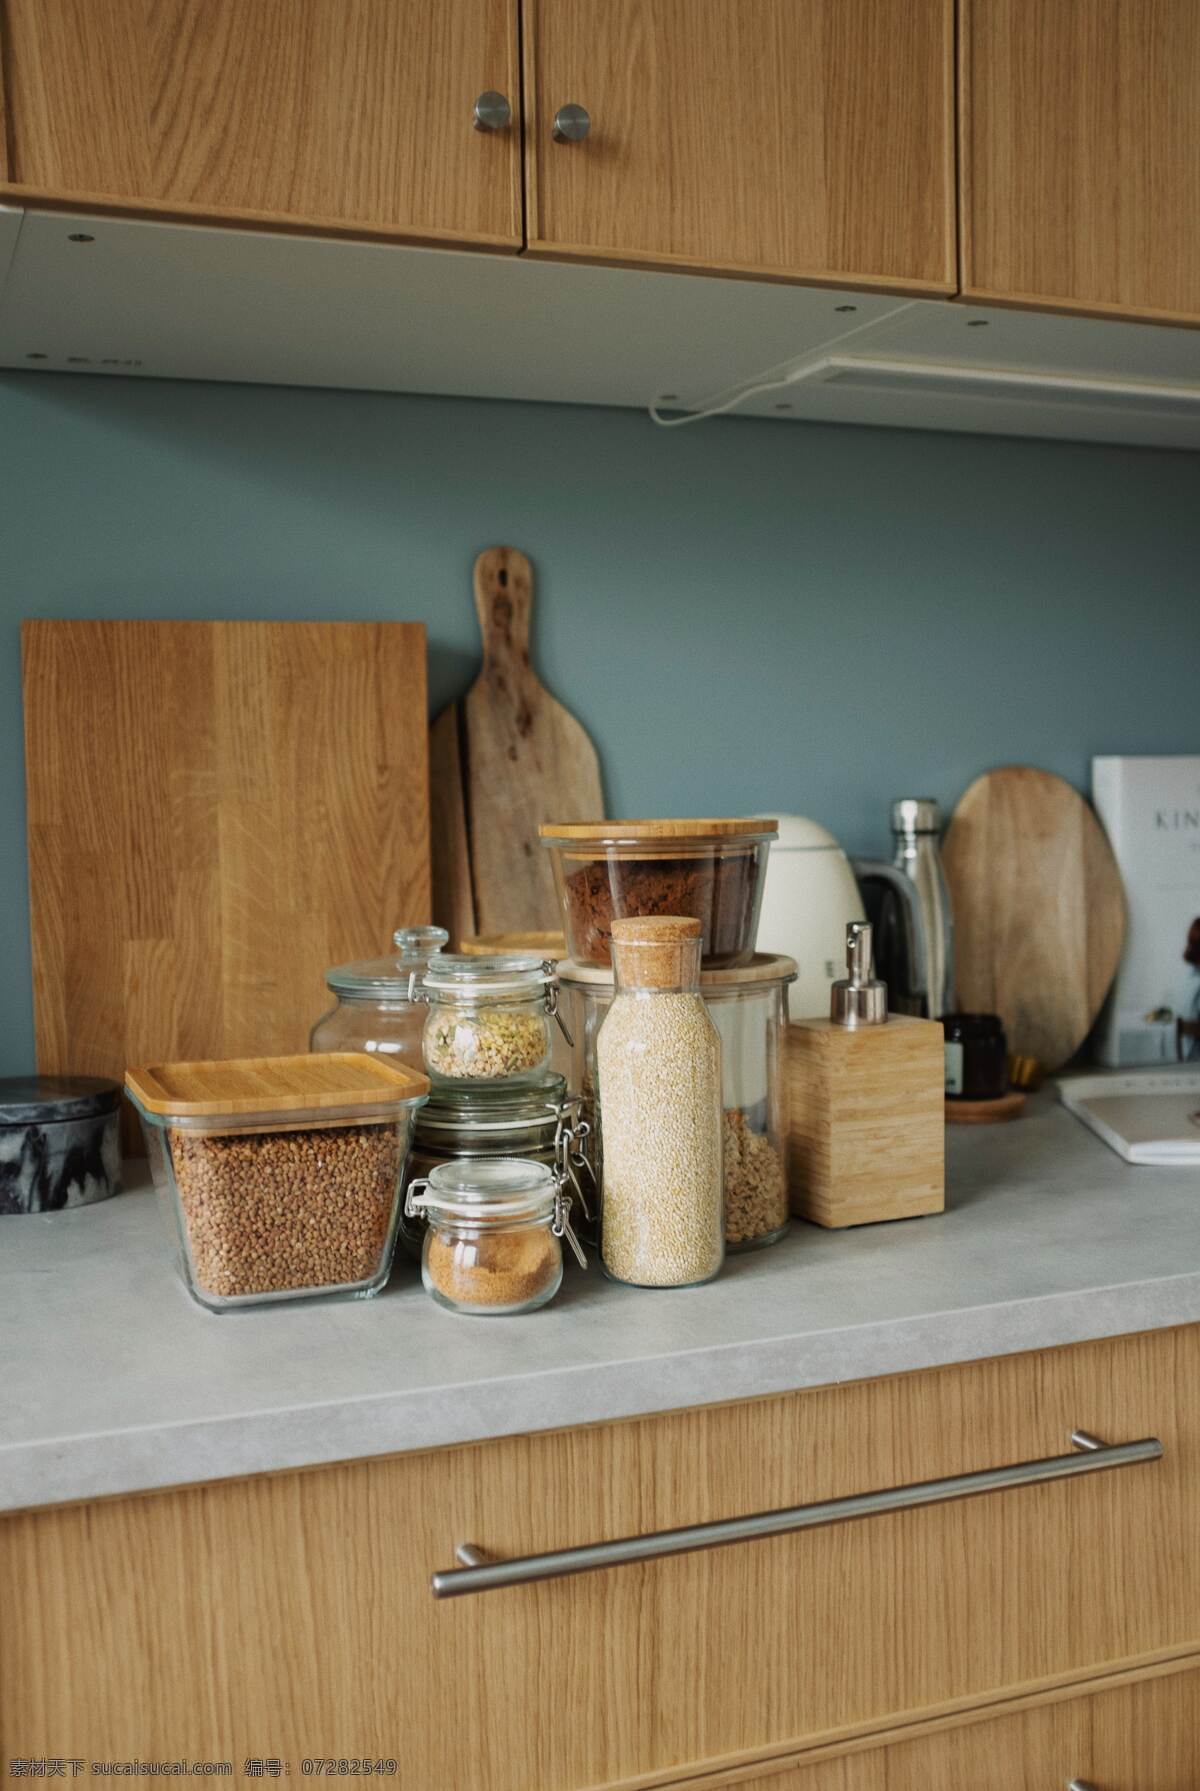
{"type": "Point", "coordinates": [498, 945]}
{"type": "Point", "coordinates": [657, 951]}
{"type": "Point", "coordinates": [731, 828]}
{"type": "Point", "coordinates": [242, 1085]}
{"type": "Point", "coordinates": [764, 967]}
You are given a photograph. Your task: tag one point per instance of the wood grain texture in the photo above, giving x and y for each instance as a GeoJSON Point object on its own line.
{"type": "Point", "coordinates": [217, 812]}
{"type": "Point", "coordinates": [274, 1084]}
{"type": "Point", "coordinates": [704, 828]}
{"type": "Point", "coordinates": [995, 1112]}
{"type": "Point", "coordinates": [1080, 155]}
{"type": "Point", "coordinates": [1039, 910]}
{"type": "Point", "coordinates": [5, 135]}
{"type": "Point", "coordinates": [866, 1129]}
{"type": "Point", "coordinates": [504, 759]}
{"type": "Point", "coordinates": [291, 1614]}
{"type": "Point", "coordinates": [453, 896]}
{"type": "Point", "coordinates": [812, 139]}
{"type": "Point", "coordinates": [490, 945]}
{"type": "Point", "coordinates": [357, 114]}
{"type": "Point", "coordinates": [1145, 1735]}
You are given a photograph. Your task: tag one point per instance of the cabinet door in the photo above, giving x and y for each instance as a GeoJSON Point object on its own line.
{"type": "Point", "coordinates": [797, 139]}
{"type": "Point", "coordinates": [349, 115]}
{"type": "Point", "coordinates": [1081, 154]}
{"type": "Point", "coordinates": [1144, 1736]}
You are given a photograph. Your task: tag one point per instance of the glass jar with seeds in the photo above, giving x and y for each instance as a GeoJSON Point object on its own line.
{"type": "Point", "coordinates": [748, 1006]}
{"type": "Point", "coordinates": [489, 1020]}
{"type": "Point", "coordinates": [658, 1064]}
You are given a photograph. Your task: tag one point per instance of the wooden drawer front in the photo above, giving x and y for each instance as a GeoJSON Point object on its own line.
{"type": "Point", "coordinates": [1142, 1737]}
{"type": "Point", "coordinates": [291, 1614]}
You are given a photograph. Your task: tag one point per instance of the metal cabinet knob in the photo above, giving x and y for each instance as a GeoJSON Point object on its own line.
{"type": "Point", "coordinates": [571, 124]}
{"type": "Point", "coordinates": [1081, 1785]}
{"type": "Point", "coordinates": [492, 112]}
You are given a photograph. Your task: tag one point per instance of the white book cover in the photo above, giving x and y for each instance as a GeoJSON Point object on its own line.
{"type": "Point", "coordinates": [1150, 809]}
{"type": "Point", "coordinates": [1148, 1116]}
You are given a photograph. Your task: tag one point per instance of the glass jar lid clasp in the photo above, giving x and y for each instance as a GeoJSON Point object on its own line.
{"type": "Point", "coordinates": [562, 1228]}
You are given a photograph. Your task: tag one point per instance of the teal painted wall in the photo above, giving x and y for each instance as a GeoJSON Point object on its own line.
{"type": "Point", "coordinates": [746, 615]}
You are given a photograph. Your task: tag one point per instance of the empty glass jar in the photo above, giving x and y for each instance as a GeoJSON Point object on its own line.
{"type": "Point", "coordinates": [488, 1024]}
{"type": "Point", "coordinates": [492, 1236]}
{"type": "Point", "coordinates": [373, 1010]}
{"type": "Point", "coordinates": [539, 1123]}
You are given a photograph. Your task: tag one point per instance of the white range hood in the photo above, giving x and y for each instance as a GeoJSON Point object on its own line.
{"type": "Point", "coordinates": [179, 301]}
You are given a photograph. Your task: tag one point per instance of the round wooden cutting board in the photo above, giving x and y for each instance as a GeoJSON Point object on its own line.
{"type": "Point", "coordinates": [1039, 910]}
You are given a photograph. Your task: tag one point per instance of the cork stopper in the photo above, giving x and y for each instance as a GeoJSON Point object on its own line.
{"type": "Point", "coordinates": [657, 951]}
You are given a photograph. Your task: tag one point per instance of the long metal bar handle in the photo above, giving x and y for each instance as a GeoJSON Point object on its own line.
{"type": "Point", "coordinates": [479, 1574]}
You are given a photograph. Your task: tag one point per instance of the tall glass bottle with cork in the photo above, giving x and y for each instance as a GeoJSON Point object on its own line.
{"type": "Point", "coordinates": [658, 1065]}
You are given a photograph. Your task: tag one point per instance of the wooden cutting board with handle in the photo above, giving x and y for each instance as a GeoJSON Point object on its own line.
{"type": "Point", "coordinates": [217, 811]}
{"type": "Point", "coordinates": [1039, 910]}
{"type": "Point", "coordinates": [503, 759]}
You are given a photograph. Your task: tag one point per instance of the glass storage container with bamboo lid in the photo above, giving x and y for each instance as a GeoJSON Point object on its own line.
{"type": "Point", "coordinates": [373, 1010]}
{"type": "Point", "coordinates": [488, 1024]}
{"type": "Point", "coordinates": [748, 1006]}
{"type": "Point", "coordinates": [280, 1176]}
{"type": "Point", "coordinates": [540, 1123]}
{"type": "Point", "coordinates": [492, 1234]}
{"type": "Point", "coordinates": [709, 870]}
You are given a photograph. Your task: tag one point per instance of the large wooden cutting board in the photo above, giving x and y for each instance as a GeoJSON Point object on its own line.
{"type": "Point", "coordinates": [1039, 910]}
{"type": "Point", "coordinates": [502, 759]}
{"type": "Point", "coordinates": [218, 811]}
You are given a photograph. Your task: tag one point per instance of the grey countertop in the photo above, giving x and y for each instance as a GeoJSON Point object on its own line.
{"type": "Point", "coordinates": [114, 1381]}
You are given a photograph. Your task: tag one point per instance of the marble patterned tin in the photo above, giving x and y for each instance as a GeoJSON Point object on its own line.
{"type": "Point", "coordinates": [59, 1142]}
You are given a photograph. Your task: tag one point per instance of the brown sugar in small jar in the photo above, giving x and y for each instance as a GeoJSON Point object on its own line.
{"type": "Point", "coordinates": [711, 871]}
{"type": "Point", "coordinates": [492, 1238]}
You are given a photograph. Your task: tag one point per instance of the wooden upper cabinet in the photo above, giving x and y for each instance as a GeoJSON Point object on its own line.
{"type": "Point", "coordinates": [1081, 154]}
{"type": "Point", "coordinates": [797, 139]}
{"type": "Point", "coordinates": [348, 115]}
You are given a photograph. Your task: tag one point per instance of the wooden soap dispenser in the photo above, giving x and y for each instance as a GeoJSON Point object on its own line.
{"type": "Point", "coordinates": [866, 1133]}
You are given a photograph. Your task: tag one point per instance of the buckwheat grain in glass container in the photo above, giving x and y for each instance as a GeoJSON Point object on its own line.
{"type": "Point", "coordinates": [658, 1060]}
{"type": "Point", "coordinates": [280, 1176]}
{"type": "Point", "coordinates": [489, 1020]}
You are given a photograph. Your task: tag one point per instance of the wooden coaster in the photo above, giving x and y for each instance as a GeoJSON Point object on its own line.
{"type": "Point", "coordinates": [985, 1113]}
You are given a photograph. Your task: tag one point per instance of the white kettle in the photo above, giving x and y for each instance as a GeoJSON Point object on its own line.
{"type": "Point", "coordinates": [808, 897]}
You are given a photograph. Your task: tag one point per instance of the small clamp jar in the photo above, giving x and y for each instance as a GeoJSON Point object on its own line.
{"type": "Point", "coordinates": [489, 1020]}
{"type": "Point", "coordinates": [493, 1234]}
{"type": "Point", "coordinates": [540, 1122]}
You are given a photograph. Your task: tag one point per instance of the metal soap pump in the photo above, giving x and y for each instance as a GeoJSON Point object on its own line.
{"type": "Point", "coordinates": [858, 999]}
